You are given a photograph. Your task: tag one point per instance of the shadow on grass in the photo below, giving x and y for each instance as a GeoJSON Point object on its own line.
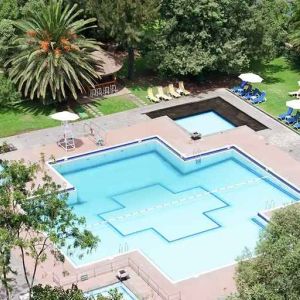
{"type": "Point", "coordinates": [30, 107]}
{"type": "Point", "coordinates": [269, 72]}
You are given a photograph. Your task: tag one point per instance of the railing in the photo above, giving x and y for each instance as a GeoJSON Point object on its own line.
{"type": "Point", "coordinates": [163, 294]}
{"type": "Point", "coordinates": [113, 267]}
{"type": "Point", "coordinates": [95, 133]}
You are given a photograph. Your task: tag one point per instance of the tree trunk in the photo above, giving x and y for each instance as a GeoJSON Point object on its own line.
{"type": "Point", "coordinates": [130, 63]}
{"type": "Point", "coordinates": [24, 267]}
{"type": "Point", "coordinates": [5, 283]}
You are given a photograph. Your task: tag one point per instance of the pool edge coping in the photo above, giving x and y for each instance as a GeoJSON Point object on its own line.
{"type": "Point", "coordinates": [184, 157]}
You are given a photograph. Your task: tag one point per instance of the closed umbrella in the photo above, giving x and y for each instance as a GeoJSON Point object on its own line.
{"type": "Point", "coordinates": [294, 104]}
{"type": "Point", "coordinates": [250, 77]}
{"type": "Point", "coordinates": [67, 142]}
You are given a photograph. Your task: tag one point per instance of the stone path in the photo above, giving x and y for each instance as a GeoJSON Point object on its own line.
{"type": "Point", "coordinates": [139, 102]}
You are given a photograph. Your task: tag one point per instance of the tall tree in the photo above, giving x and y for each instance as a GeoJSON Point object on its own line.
{"type": "Point", "coordinates": [6, 271]}
{"type": "Point", "coordinates": [272, 271]}
{"type": "Point", "coordinates": [52, 58]}
{"type": "Point", "coordinates": [125, 21]}
{"type": "Point", "coordinates": [36, 224]}
{"type": "Point", "coordinates": [294, 31]}
{"type": "Point", "coordinates": [216, 35]}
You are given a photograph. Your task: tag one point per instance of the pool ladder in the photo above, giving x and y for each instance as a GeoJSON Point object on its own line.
{"type": "Point", "coordinates": [197, 156]}
{"type": "Point", "coordinates": [123, 247]}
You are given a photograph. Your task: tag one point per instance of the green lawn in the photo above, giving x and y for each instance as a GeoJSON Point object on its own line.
{"type": "Point", "coordinates": [115, 104]}
{"type": "Point", "coordinates": [25, 117]}
{"type": "Point", "coordinates": [140, 92]}
{"type": "Point", "coordinates": [280, 77]}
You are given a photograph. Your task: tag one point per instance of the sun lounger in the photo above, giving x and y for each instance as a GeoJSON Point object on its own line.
{"type": "Point", "coordinates": [254, 93]}
{"type": "Point", "coordinates": [239, 88]}
{"type": "Point", "coordinates": [292, 119]}
{"type": "Point", "coordinates": [151, 96]}
{"type": "Point", "coordinates": [284, 115]}
{"type": "Point", "coordinates": [259, 99]}
{"type": "Point", "coordinates": [181, 89]}
{"type": "Point", "coordinates": [172, 91]}
{"type": "Point", "coordinates": [161, 95]}
{"type": "Point", "coordinates": [245, 91]}
{"type": "Point", "coordinates": [297, 125]}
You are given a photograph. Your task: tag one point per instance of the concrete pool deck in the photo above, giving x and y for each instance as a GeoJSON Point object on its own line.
{"type": "Point", "coordinates": [263, 145]}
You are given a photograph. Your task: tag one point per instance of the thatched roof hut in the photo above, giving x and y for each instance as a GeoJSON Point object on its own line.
{"type": "Point", "coordinates": [108, 62]}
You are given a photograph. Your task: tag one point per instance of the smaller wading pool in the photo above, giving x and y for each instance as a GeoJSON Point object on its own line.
{"type": "Point", "coordinates": [126, 293]}
{"type": "Point", "coordinates": [208, 116]}
{"type": "Point", "coordinates": [205, 123]}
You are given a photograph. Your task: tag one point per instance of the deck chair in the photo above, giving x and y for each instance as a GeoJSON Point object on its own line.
{"type": "Point", "coordinates": [172, 91]}
{"type": "Point", "coordinates": [285, 114]}
{"type": "Point", "coordinates": [161, 95]}
{"type": "Point", "coordinates": [151, 96]}
{"type": "Point", "coordinates": [181, 90]}
{"type": "Point", "coordinates": [295, 93]}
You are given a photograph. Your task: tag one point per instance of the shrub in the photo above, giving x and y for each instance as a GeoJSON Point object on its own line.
{"type": "Point", "coordinates": [5, 147]}
{"type": "Point", "coordinates": [8, 92]}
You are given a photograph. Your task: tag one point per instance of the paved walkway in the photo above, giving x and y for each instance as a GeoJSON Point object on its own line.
{"type": "Point", "coordinates": [277, 134]}
{"type": "Point", "coordinates": [135, 124]}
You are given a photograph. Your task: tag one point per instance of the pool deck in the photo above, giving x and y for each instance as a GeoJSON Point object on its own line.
{"type": "Point", "coordinates": [277, 148]}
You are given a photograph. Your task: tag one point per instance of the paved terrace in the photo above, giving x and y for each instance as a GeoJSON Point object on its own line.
{"type": "Point", "coordinates": [279, 135]}
{"type": "Point", "coordinates": [130, 125]}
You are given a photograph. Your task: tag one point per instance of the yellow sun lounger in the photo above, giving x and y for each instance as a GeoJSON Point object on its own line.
{"type": "Point", "coordinates": [151, 96]}
{"type": "Point", "coordinates": [161, 95]}
{"type": "Point", "coordinates": [172, 91]}
{"type": "Point", "coordinates": [181, 89]}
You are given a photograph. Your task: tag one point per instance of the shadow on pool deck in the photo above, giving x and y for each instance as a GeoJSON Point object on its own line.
{"type": "Point", "coordinates": [218, 105]}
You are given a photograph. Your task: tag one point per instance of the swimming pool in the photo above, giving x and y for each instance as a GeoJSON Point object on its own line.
{"type": "Point", "coordinates": [205, 123]}
{"type": "Point", "coordinates": [121, 288]}
{"type": "Point", "coordinates": [186, 215]}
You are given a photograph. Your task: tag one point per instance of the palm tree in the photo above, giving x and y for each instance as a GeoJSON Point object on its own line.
{"type": "Point", "coordinates": [52, 57]}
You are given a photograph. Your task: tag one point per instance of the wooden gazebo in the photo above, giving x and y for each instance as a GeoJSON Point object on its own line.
{"type": "Point", "coordinates": [107, 68]}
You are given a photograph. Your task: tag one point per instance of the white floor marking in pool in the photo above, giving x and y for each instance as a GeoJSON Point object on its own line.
{"type": "Point", "coordinates": [180, 201]}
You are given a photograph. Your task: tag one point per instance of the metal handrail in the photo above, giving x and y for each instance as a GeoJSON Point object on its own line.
{"type": "Point", "coordinates": [163, 294]}
{"type": "Point", "coordinates": [114, 266]}
{"type": "Point", "coordinates": [94, 132]}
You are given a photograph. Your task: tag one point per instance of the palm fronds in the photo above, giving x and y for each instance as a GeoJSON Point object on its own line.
{"type": "Point", "coordinates": [52, 58]}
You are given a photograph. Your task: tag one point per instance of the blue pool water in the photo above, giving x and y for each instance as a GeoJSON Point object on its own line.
{"type": "Point", "coordinates": [185, 216]}
{"type": "Point", "coordinates": [126, 293]}
{"type": "Point", "coordinates": [205, 123]}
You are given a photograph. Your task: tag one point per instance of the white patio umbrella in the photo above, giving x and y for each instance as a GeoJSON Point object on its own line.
{"type": "Point", "coordinates": [250, 77]}
{"type": "Point", "coordinates": [294, 104]}
{"type": "Point", "coordinates": [67, 142]}
{"type": "Point", "coordinates": [64, 116]}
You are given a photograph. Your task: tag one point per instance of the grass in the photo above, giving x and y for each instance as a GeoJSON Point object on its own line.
{"type": "Point", "coordinates": [24, 117]}
{"type": "Point", "coordinates": [115, 104]}
{"type": "Point", "coordinates": [140, 92]}
{"type": "Point", "coordinates": [280, 77]}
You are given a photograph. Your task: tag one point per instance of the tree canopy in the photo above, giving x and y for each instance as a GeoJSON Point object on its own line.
{"type": "Point", "coordinates": [272, 271]}
{"type": "Point", "coordinates": [124, 21]}
{"type": "Point", "coordinates": [56, 293]}
{"type": "Point", "coordinates": [216, 35]}
{"type": "Point", "coordinates": [35, 225]}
